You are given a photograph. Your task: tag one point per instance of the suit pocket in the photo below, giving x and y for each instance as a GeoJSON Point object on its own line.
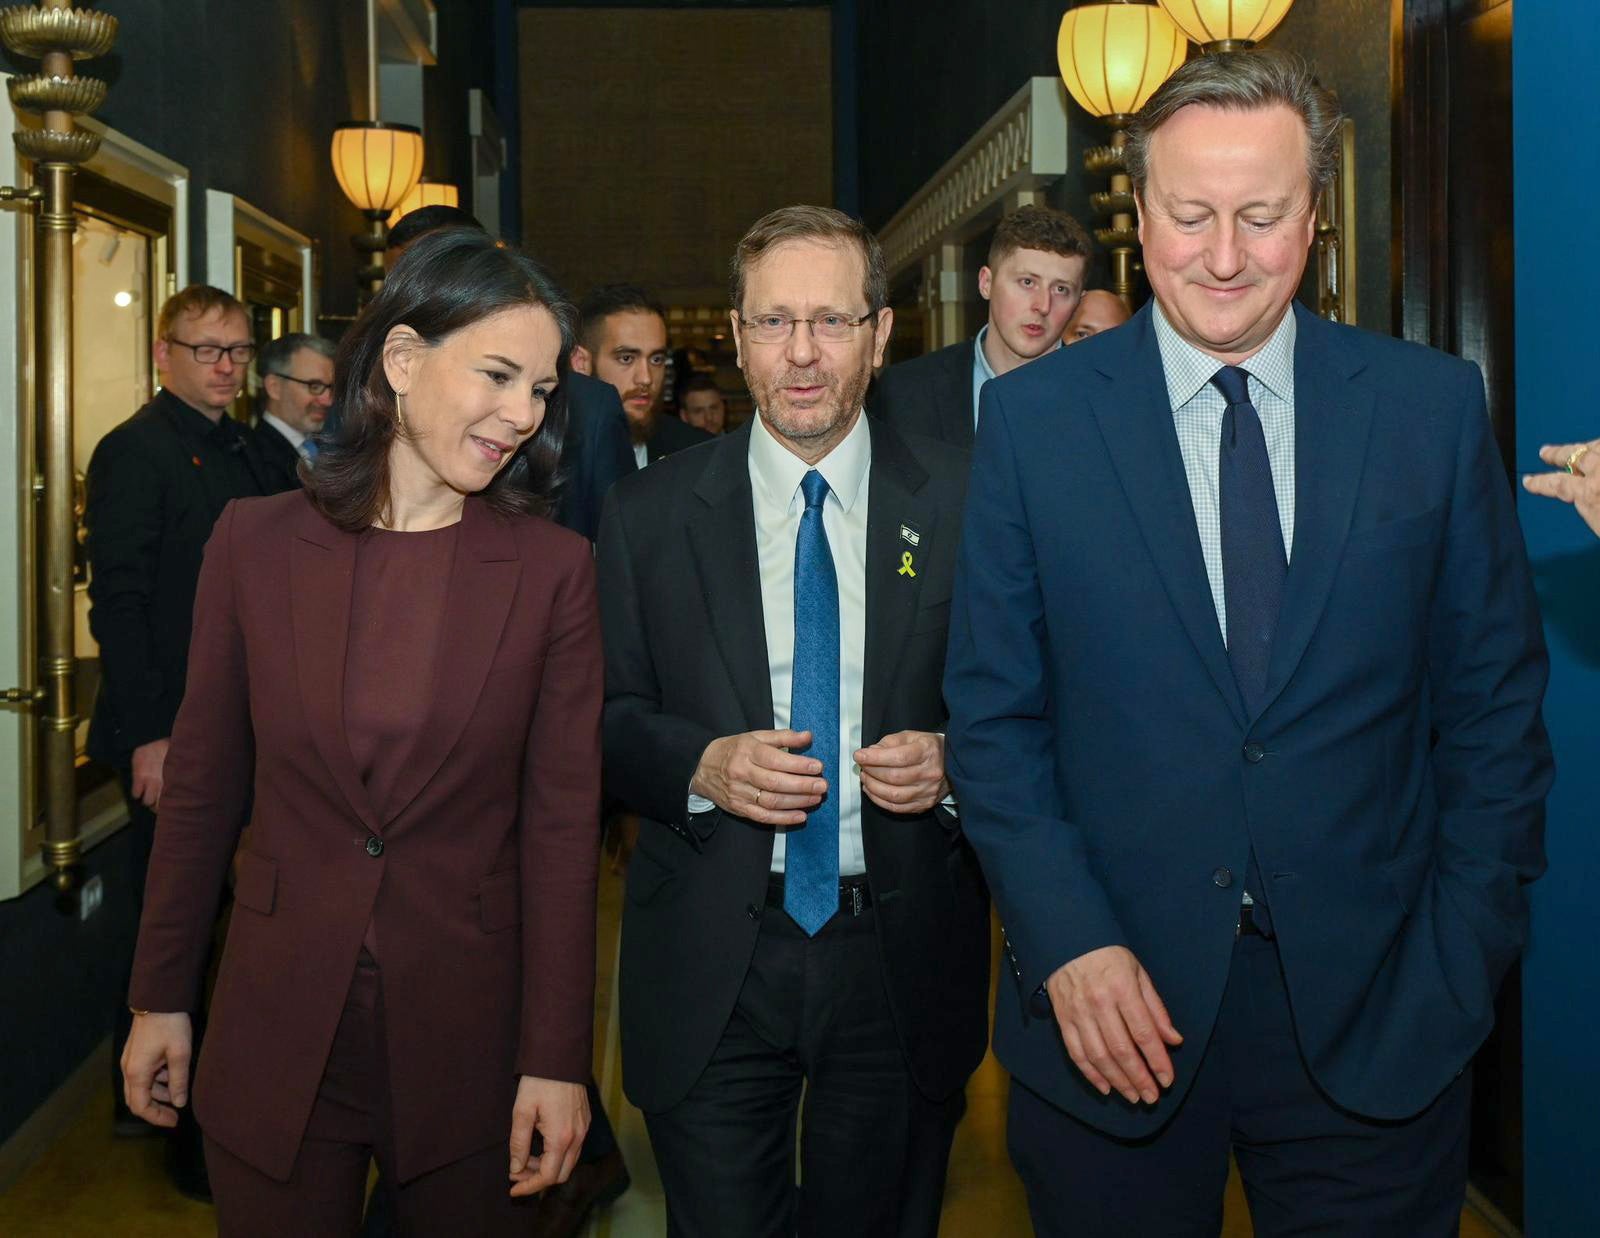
{"type": "Point", "coordinates": [255, 882]}
{"type": "Point", "coordinates": [935, 618]}
{"type": "Point", "coordinates": [1394, 534]}
{"type": "Point", "coordinates": [500, 901]}
{"type": "Point", "coordinates": [1406, 874]}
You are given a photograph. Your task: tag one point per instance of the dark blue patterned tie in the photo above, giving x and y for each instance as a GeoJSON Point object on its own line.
{"type": "Point", "coordinates": [811, 863]}
{"type": "Point", "coordinates": [1253, 562]}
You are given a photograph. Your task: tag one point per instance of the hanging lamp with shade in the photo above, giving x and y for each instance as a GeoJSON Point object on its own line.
{"type": "Point", "coordinates": [1114, 56]}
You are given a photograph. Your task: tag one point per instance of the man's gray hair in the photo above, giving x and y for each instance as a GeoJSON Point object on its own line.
{"type": "Point", "coordinates": [1243, 82]}
{"type": "Point", "coordinates": [276, 357]}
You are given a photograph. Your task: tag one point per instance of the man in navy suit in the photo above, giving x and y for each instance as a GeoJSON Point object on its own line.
{"type": "Point", "coordinates": [1244, 682]}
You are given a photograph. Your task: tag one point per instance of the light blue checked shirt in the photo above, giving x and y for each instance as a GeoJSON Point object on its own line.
{"type": "Point", "coordinates": [1197, 410]}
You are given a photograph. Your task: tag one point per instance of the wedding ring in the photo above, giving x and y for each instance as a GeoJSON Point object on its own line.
{"type": "Point", "coordinates": [1577, 454]}
{"type": "Point", "coordinates": [758, 799]}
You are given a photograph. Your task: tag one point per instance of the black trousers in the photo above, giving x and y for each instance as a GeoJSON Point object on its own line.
{"type": "Point", "coordinates": [1309, 1167]}
{"type": "Point", "coordinates": [813, 1017]}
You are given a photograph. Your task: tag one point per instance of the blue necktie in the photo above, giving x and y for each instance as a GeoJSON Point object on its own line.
{"type": "Point", "coordinates": [811, 862]}
{"type": "Point", "coordinates": [309, 446]}
{"type": "Point", "coordinates": [1253, 562]}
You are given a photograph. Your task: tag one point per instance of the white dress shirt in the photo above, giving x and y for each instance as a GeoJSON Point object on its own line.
{"type": "Point", "coordinates": [296, 439]}
{"type": "Point", "coordinates": [641, 454]}
{"type": "Point", "coordinates": [775, 476]}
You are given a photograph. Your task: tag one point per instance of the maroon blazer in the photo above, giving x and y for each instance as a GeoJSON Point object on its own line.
{"type": "Point", "coordinates": [479, 884]}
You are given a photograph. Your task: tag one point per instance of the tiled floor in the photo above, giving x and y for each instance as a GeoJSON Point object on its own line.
{"type": "Point", "coordinates": [92, 1186]}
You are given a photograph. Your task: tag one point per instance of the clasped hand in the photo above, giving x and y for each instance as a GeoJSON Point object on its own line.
{"type": "Point", "coordinates": [756, 776]}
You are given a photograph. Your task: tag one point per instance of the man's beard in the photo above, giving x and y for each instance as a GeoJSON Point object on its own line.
{"type": "Point", "coordinates": [641, 428]}
{"type": "Point", "coordinates": [843, 398]}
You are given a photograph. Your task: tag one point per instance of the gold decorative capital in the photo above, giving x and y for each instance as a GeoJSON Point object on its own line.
{"type": "Point", "coordinates": [30, 30]}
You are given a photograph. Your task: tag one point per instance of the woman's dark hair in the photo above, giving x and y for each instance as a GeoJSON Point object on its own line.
{"type": "Point", "coordinates": [446, 281]}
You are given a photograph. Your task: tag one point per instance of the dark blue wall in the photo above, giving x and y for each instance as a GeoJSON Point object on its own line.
{"type": "Point", "coordinates": [1556, 96]}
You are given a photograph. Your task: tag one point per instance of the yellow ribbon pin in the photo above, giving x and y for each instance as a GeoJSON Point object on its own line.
{"type": "Point", "coordinates": [905, 564]}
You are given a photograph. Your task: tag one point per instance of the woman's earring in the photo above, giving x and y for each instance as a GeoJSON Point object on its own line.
{"type": "Point", "coordinates": [400, 411]}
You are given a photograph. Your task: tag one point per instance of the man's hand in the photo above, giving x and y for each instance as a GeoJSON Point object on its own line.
{"type": "Point", "coordinates": [560, 1113]}
{"type": "Point", "coordinates": [155, 1066]}
{"type": "Point", "coordinates": [1115, 1026]}
{"type": "Point", "coordinates": [754, 776]}
{"type": "Point", "coordinates": [904, 772]}
{"type": "Point", "coordinates": [1581, 487]}
{"type": "Point", "coordinates": [148, 762]}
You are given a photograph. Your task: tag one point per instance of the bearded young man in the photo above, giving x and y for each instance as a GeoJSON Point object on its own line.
{"type": "Point", "coordinates": [802, 910]}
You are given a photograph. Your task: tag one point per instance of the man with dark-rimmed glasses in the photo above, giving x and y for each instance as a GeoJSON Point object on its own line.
{"type": "Point", "coordinates": [156, 485]}
{"type": "Point", "coordinates": [296, 392]}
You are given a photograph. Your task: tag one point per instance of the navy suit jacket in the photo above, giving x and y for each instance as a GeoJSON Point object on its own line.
{"type": "Point", "coordinates": [1392, 784]}
{"type": "Point", "coordinates": [595, 453]}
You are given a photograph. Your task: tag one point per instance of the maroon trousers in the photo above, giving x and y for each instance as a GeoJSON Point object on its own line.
{"type": "Point", "coordinates": [350, 1126]}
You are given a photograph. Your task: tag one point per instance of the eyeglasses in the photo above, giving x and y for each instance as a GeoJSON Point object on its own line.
{"type": "Point", "coordinates": [314, 386]}
{"type": "Point", "coordinates": [777, 328]}
{"type": "Point", "coordinates": [210, 354]}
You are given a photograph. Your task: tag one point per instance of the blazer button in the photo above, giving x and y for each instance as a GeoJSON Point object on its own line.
{"type": "Point", "coordinates": [1254, 752]}
{"type": "Point", "coordinates": [1222, 878]}
{"type": "Point", "coordinates": [374, 846]}
{"type": "Point", "coordinates": [751, 910]}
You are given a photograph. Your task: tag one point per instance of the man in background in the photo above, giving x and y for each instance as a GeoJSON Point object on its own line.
{"type": "Point", "coordinates": [155, 486]}
{"type": "Point", "coordinates": [702, 405]}
{"type": "Point", "coordinates": [297, 390]}
{"type": "Point", "coordinates": [1032, 282]}
{"type": "Point", "coordinates": [622, 340]}
{"type": "Point", "coordinates": [1097, 311]}
{"type": "Point", "coordinates": [418, 223]}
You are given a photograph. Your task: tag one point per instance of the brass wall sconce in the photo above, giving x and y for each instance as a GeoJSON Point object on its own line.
{"type": "Point", "coordinates": [1113, 57]}
{"type": "Point", "coordinates": [1226, 25]}
{"type": "Point", "coordinates": [56, 34]}
{"type": "Point", "coordinates": [425, 193]}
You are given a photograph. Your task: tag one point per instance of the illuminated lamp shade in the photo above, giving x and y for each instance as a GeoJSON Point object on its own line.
{"type": "Point", "coordinates": [376, 164]}
{"type": "Point", "coordinates": [1229, 23]}
{"type": "Point", "coordinates": [1114, 56]}
{"type": "Point", "coordinates": [425, 193]}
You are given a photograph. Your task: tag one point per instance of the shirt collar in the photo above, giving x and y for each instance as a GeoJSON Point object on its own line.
{"type": "Point", "coordinates": [982, 371]}
{"type": "Point", "coordinates": [778, 471]}
{"type": "Point", "coordinates": [1188, 369]}
{"type": "Point", "coordinates": [284, 428]}
{"type": "Point", "coordinates": [193, 422]}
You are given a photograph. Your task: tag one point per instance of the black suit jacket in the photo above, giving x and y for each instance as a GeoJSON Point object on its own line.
{"type": "Point", "coordinates": [686, 662]}
{"type": "Point", "coordinates": [594, 454]}
{"type": "Point", "coordinates": [278, 455]}
{"type": "Point", "coordinates": [929, 395]}
{"type": "Point", "coordinates": [670, 435]}
{"type": "Point", "coordinates": [156, 484]}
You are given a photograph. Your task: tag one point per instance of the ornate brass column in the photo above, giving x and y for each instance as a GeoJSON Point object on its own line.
{"type": "Point", "coordinates": [56, 34]}
{"type": "Point", "coordinates": [1120, 236]}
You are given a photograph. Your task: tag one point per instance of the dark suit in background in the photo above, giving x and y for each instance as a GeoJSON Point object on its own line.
{"type": "Point", "coordinates": [594, 454]}
{"type": "Point", "coordinates": [686, 661]}
{"type": "Point", "coordinates": [929, 395]}
{"type": "Point", "coordinates": [669, 435]}
{"type": "Point", "coordinates": [279, 456]}
{"type": "Point", "coordinates": [1390, 782]}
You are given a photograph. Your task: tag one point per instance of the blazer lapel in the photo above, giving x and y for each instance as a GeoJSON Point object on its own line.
{"type": "Point", "coordinates": [1332, 422]}
{"type": "Point", "coordinates": [483, 583]}
{"type": "Point", "coordinates": [1135, 418]}
{"type": "Point", "coordinates": [894, 503]}
{"type": "Point", "coordinates": [321, 573]}
{"type": "Point", "coordinates": [722, 536]}
{"type": "Point", "coordinates": [960, 417]}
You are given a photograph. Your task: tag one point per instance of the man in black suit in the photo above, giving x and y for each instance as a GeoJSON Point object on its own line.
{"type": "Point", "coordinates": [1032, 282]}
{"type": "Point", "coordinates": [622, 340]}
{"type": "Point", "coordinates": [802, 909]}
{"type": "Point", "coordinates": [156, 484]}
{"type": "Point", "coordinates": [297, 390]}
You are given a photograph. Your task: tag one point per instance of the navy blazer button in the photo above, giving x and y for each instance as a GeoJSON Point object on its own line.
{"type": "Point", "coordinates": [752, 911]}
{"type": "Point", "coordinates": [1253, 752]}
{"type": "Point", "coordinates": [374, 846]}
{"type": "Point", "coordinates": [1222, 878]}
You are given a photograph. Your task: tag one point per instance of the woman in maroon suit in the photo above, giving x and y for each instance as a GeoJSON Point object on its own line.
{"type": "Point", "coordinates": [408, 659]}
